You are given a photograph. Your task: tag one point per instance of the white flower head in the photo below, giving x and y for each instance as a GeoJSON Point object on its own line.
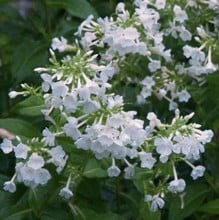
{"type": "Point", "coordinates": [164, 146]}
{"type": "Point", "coordinates": [147, 160]}
{"type": "Point", "coordinates": [154, 65]}
{"type": "Point", "coordinates": [156, 202]}
{"type": "Point", "coordinates": [198, 172]}
{"type": "Point", "coordinates": [160, 4]}
{"type": "Point", "coordinates": [113, 171]}
{"type": "Point", "coordinates": [6, 146]}
{"type": "Point", "coordinates": [59, 44]}
{"type": "Point", "coordinates": [129, 172]}
{"type": "Point", "coordinates": [177, 186]}
{"type": "Point", "coordinates": [183, 96]}
{"type": "Point", "coordinates": [180, 15]}
{"type": "Point", "coordinates": [66, 193]}
{"type": "Point", "coordinates": [41, 176]}
{"type": "Point", "coordinates": [9, 186]}
{"type": "Point", "coordinates": [21, 151]}
{"type": "Point", "coordinates": [154, 121]}
{"type": "Point", "coordinates": [49, 137]}
{"type": "Point", "coordinates": [70, 128]}
{"type": "Point", "coordinates": [35, 161]}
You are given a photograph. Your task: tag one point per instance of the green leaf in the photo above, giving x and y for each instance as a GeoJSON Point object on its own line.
{"type": "Point", "coordinates": [14, 212]}
{"type": "Point", "coordinates": [27, 56]}
{"type": "Point", "coordinates": [19, 127]}
{"type": "Point", "coordinates": [141, 174]}
{"type": "Point", "coordinates": [30, 107]}
{"type": "Point", "coordinates": [56, 214]}
{"type": "Point", "coordinates": [78, 8]}
{"type": "Point", "coordinates": [93, 169]}
{"type": "Point", "coordinates": [195, 195]}
{"type": "Point", "coordinates": [88, 214]}
{"type": "Point", "coordinates": [211, 207]}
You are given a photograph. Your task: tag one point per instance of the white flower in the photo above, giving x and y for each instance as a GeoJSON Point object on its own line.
{"type": "Point", "coordinates": [35, 161]}
{"type": "Point", "coordinates": [70, 128]}
{"type": "Point", "coordinates": [120, 8]}
{"type": "Point", "coordinates": [13, 94]}
{"type": "Point", "coordinates": [113, 171]}
{"type": "Point", "coordinates": [41, 176]}
{"type": "Point", "coordinates": [183, 96]}
{"type": "Point", "coordinates": [84, 142]}
{"type": "Point", "coordinates": [160, 4]}
{"type": "Point", "coordinates": [195, 53]}
{"type": "Point", "coordinates": [97, 147]}
{"type": "Point", "coordinates": [49, 137]}
{"type": "Point", "coordinates": [189, 146]}
{"type": "Point", "coordinates": [156, 202]}
{"type": "Point", "coordinates": [185, 35]}
{"type": "Point", "coordinates": [177, 185]}
{"type": "Point", "coordinates": [59, 44]}
{"type": "Point", "coordinates": [59, 89]}
{"type": "Point", "coordinates": [24, 173]}
{"type": "Point", "coordinates": [47, 81]}
{"type": "Point", "coordinates": [6, 146]}
{"type": "Point", "coordinates": [70, 103]}
{"type": "Point", "coordinates": [86, 23]}
{"type": "Point", "coordinates": [21, 151]}
{"type": "Point", "coordinates": [162, 92]}
{"type": "Point", "coordinates": [129, 172]}
{"type": "Point", "coordinates": [148, 82]}
{"type": "Point", "coordinates": [194, 147]}
{"type": "Point", "coordinates": [154, 65]}
{"type": "Point", "coordinates": [180, 15]}
{"type": "Point", "coordinates": [125, 40]}
{"type": "Point", "coordinates": [154, 121]}
{"type": "Point", "coordinates": [118, 150]}
{"type": "Point", "coordinates": [205, 136]}
{"type": "Point", "coordinates": [9, 186]}
{"type": "Point", "coordinates": [59, 157]}
{"type": "Point", "coordinates": [115, 101]}
{"type": "Point", "coordinates": [198, 172]}
{"type": "Point", "coordinates": [147, 160]}
{"type": "Point", "coordinates": [172, 105]}
{"type": "Point", "coordinates": [90, 106]}
{"type": "Point", "coordinates": [66, 193]}
{"type": "Point", "coordinates": [164, 146]}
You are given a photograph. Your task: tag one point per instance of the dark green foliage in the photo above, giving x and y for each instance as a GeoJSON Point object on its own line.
{"type": "Point", "coordinates": [24, 43]}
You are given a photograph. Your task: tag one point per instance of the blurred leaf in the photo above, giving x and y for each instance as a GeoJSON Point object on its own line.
{"type": "Point", "coordinates": [78, 8]}
{"type": "Point", "coordinates": [88, 214]}
{"type": "Point", "coordinates": [56, 214]}
{"type": "Point", "coordinates": [141, 174]}
{"type": "Point", "coordinates": [19, 127]}
{"type": "Point", "coordinates": [26, 57]}
{"type": "Point", "coordinates": [211, 207]}
{"type": "Point", "coordinates": [14, 212]}
{"type": "Point", "coordinates": [30, 107]}
{"type": "Point", "coordinates": [195, 195]}
{"type": "Point", "coordinates": [93, 169]}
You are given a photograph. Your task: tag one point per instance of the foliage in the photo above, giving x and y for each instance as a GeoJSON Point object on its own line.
{"type": "Point", "coordinates": [91, 128]}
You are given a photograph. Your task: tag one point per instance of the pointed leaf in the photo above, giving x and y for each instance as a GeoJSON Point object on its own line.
{"type": "Point", "coordinates": [19, 127]}
{"type": "Point", "coordinates": [30, 107]}
{"type": "Point", "coordinates": [211, 207]}
{"type": "Point", "coordinates": [93, 169]}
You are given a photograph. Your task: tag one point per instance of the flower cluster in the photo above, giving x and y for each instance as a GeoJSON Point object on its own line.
{"type": "Point", "coordinates": [145, 32]}
{"type": "Point", "coordinates": [80, 106]}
